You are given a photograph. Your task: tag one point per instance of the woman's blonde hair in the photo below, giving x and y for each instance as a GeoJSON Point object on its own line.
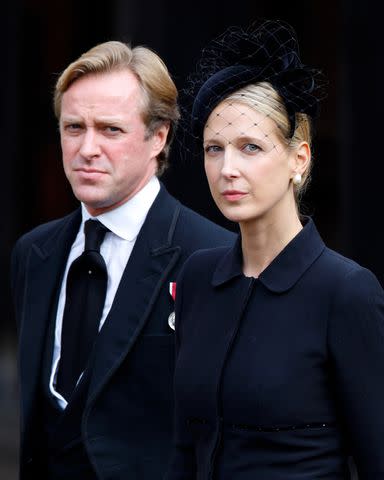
{"type": "Point", "coordinates": [266, 100]}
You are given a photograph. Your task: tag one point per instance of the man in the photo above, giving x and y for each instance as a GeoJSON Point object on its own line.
{"type": "Point", "coordinates": [99, 405]}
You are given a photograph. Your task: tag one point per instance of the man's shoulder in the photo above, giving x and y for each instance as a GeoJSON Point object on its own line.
{"type": "Point", "coordinates": [209, 256]}
{"type": "Point", "coordinates": [199, 228]}
{"type": "Point", "coordinates": [202, 263]}
{"type": "Point", "coordinates": [46, 229]}
{"type": "Point", "coordinates": [191, 230]}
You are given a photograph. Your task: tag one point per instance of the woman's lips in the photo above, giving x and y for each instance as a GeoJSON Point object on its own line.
{"type": "Point", "coordinates": [233, 195]}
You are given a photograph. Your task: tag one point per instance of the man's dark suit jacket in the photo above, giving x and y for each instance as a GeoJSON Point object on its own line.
{"type": "Point", "coordinates": [123, 419]}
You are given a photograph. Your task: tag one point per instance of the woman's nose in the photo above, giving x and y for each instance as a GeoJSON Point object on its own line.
{"type": "Point", "coordinates": [229, 166]}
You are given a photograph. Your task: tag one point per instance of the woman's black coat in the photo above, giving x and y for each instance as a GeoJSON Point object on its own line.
{"type": "Point", "coordinates": [279, 377]}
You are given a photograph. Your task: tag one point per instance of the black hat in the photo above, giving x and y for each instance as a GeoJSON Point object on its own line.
{"type": "Point", "coordinates": [266, 51]}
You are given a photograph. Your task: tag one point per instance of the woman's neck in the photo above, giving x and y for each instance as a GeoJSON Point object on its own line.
{"type": "Point", "coordinates": [264, 238]}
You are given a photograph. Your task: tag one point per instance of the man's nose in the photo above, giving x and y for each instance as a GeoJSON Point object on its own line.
{"type": "Point", "coordinates": [90, 146]}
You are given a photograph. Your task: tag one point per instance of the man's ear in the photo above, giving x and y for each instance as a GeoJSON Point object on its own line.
{"type": "Point", "coordinates": [159, 138]}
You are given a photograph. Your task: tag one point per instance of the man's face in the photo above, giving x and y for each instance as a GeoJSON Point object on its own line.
{"type": "Point", "coordinates": [107, 158]}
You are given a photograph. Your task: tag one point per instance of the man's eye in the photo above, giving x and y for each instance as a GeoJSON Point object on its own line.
{"type": "Point", "coordinates": [112, 129]}
{"type": "Point", "coordinates": [73, 126]}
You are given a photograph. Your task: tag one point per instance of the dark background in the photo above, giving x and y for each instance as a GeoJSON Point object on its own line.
{"type": "Point", "coordinates": [40, 37]}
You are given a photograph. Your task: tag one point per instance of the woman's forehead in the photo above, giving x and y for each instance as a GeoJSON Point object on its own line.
{"type": "Point", "coordinates": [238, 118]}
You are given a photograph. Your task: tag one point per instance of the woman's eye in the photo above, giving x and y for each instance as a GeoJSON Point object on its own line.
{"type": "Point", "coordinates": [251, 147]}
{"type": "Point", "coordinates": [212, 149]}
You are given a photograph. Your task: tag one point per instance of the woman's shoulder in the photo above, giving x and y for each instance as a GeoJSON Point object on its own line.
{"type": "Point", "coordinates": [331, 270]}
{"type": "Point", "coordinates": [353, 279]}
{"type": "Point", "coordinates": [340, 263]}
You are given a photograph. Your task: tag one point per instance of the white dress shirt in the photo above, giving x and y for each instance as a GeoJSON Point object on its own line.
{"type": "Point", "coordinates": [124, 223]}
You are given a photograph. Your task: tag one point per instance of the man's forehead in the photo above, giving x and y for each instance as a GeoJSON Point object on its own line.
{"type": "Point", "coordinates": [110, 98]}
{"type": "Point", "coordinates": [112, 85]}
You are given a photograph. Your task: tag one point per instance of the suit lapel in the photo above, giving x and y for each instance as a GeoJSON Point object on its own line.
{"type": "Point", "coordinates": [45, 267]}
{"type": "Point", "coordinates": [152, 258]}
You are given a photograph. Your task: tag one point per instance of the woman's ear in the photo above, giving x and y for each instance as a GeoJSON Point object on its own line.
{"type": "Point", "coordinates": [301, 158]}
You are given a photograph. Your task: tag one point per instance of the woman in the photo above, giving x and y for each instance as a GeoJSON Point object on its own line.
{"type": "Point", "coordinates": [280, 340]}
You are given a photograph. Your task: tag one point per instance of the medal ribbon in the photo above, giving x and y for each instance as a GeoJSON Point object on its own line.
{"type": "Point", "coordinates": [172, 289]}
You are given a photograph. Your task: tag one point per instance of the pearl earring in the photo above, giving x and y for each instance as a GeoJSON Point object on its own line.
{"type": "Point", "coordinates": [297, 179]}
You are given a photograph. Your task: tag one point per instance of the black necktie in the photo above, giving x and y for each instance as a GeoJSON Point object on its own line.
{"type": "Point", "coordinates": [85, 297]}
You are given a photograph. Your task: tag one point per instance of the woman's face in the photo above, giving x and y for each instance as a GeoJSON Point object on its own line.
{"type": "Point", "coordinates": [249, 168]}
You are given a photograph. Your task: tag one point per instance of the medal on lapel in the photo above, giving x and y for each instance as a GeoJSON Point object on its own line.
{"type": "Point", "coordinates": [172, 291]}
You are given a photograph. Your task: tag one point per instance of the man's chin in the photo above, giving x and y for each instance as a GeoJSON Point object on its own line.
{"type": "Point", "coordinates": [98, 210]}
{"type": "Point", "coordinates": [94, 204]}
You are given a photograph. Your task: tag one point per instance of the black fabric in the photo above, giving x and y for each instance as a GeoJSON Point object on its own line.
{"type": "Point", "coordinates": [233, 78]}
{"type": "Point", "coordinates": [60, 453]}
{"type": "Point", "coordinates": [72, 463]}
{"type": "Point", "coordinates": [85, 297]}
{"type": "Point", "coordinates": [266, 51]}
{"type": "Point", "coordinates": [280, 376]}
{"type": "Point", "coordinates": [132, 358]}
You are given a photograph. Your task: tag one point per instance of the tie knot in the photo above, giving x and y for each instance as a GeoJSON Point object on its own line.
{"type": "Point", "coordinates": [94, 232]}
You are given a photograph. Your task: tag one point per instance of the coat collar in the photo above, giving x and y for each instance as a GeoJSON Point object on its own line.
{"type": "Point", "coordinates": [44, 265]}
{"type": "Point", "coordinates": [152, 259]}
{"type": "Point", "coordinates": [155, 254]}
{"type": "Point", "coordinates": [126, 220]}
{"type": "Point", "coordinates": [163, 212]}
{"type": "Point", "coordinates": [64, 234]}
{"type": "Point", "coordinates": [285, 270]}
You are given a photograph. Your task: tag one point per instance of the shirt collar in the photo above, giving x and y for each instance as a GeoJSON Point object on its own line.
{"type": "Point", "coordinates": [126, 220]}
{"type": "Point", "coordinates": [285, 269]}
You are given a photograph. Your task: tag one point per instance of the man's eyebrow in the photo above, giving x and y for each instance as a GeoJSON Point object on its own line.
{"type": "Point", "coordinates": [70, 118]}
{"type": "Point", "coordinates": [110, 120]}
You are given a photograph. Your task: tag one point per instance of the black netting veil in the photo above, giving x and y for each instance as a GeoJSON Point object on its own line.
{"type": "Point", "coordinates": [266, 51]}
